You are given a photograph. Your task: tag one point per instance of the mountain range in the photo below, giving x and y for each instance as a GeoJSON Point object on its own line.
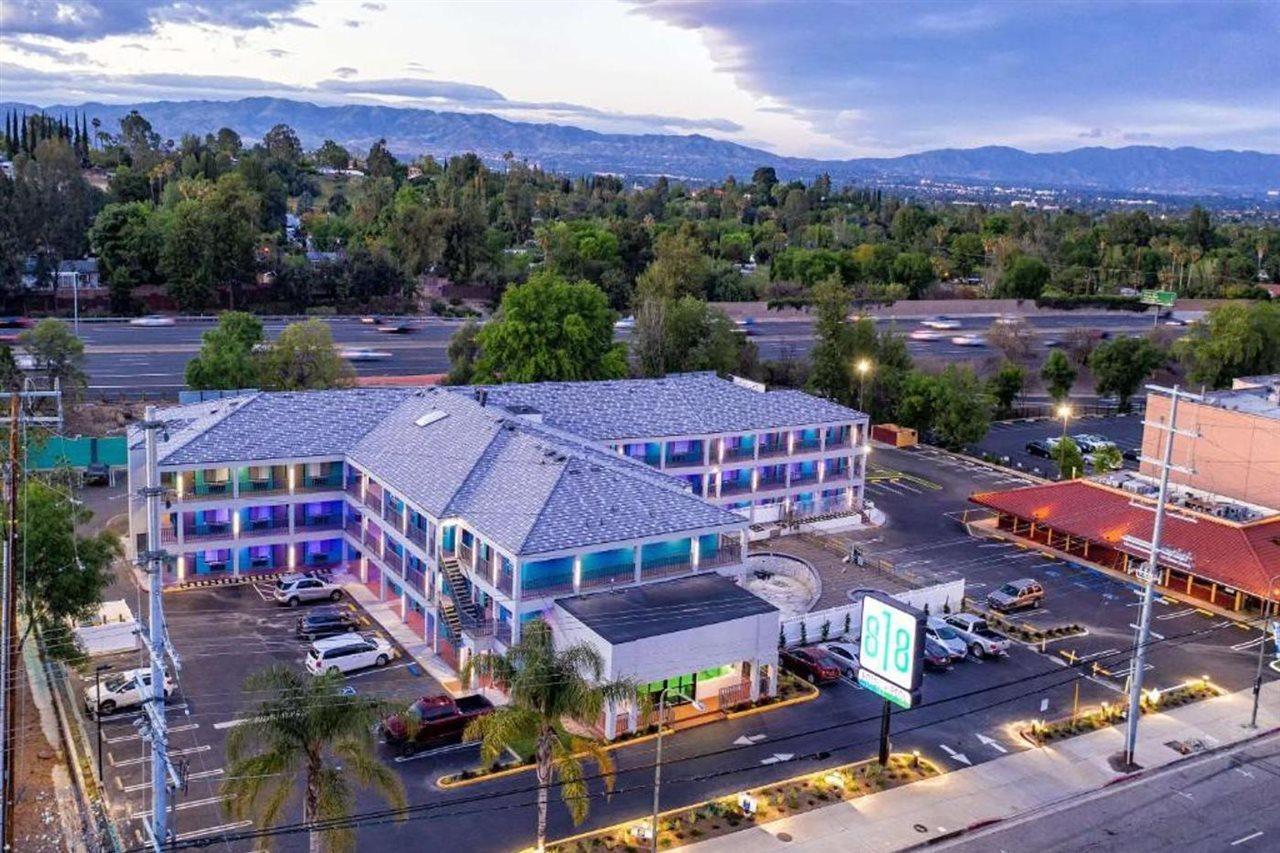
{"type": "Point", "coordinates": [574, 150]}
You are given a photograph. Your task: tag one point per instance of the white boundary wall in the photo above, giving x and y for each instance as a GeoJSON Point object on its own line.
{"type": "Point", "coordinates": [936, 598]}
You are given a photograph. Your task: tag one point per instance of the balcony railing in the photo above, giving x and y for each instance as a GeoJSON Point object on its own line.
{"type": "Point", "coordinates": [396, 517]}
{"type": "Point", "coordinates": [652, 460]}
{"type": "Point", "coordinates": [506, 581]}
{"type": "Point", "coordinates": [319, 522]}
{"type": "Point", "coordinates": [502, 632]}
{"type": "Point", "coordinates": [768, 450]}
{"type": "Point", "coordinates": [353, 488]}
{"type": "Point", "coordinates": [613, 575]}
{"type": "Point", "coordinates": [327, 483]}
{"type": "Point", "coordinates": [841, 475]}
{"type": "Point", "coordinates": [393, 560]}
{"type": "Point", "coordinates": [416, 580]}
{"type": "Point", "coordinates": [168, 534]}
{"type": "Point", "coordinates": [765, 484]}
{"type": "Point", "coordinates": [684, 460]}
{"type": "Point", "coordinates": [838, 443]}
{"type": "Point", "coordinates": [739, 452]}
{"type": "Point", "coordinates": [355, 528]}
{"type": "Point", "coordinates": [205, 532]}
{"type": "Point", "coordinates": [734, 487]}
{"type": "Point", "coordinates": [664, 567]}
{"type": "Point", "coordinates": [804, 479]}
{"type": "Point", "coordinates": [808, 446]}
{"type": "Point", "coordinates": [209, 491]}
{"type": "Point", "coordinates": [728, 554]}
{"type": "Point", "coordinates": [465, 555]}
{"type": "Point", "coordinates": [418, 536]}
{"type": "Point", "coordinates": [563, 588]}
{"type": "Point", "coordinates": [265, 527]}
{"type": "Point", "coordinates": [373, 540]}
{"type": "Point", "coordinates": [373, 500]}
{"type": "Point", "coordinates": [271, 486]}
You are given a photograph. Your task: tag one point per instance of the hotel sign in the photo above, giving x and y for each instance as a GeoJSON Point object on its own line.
{"type": "Point", "coordinates": [891, 650]}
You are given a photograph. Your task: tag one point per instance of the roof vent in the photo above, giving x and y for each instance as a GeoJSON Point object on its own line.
{"type": "Point", "coordinates": [431, 417]}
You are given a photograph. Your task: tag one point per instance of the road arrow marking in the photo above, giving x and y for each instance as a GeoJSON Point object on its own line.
{"type": "Point", "coordinates": [991, 742]}
{"type": "Point", "coordinates": [748, 740]}
{"type": "Point", "coordinates": [1044, 705]}
{"type": "Point", "coordinates": [958, 756]}
{"type": "Point", "coordinates": [778, 758]}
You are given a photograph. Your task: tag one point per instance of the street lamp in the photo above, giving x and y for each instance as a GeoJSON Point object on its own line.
{"type": "Point", "coordinates": [657, 763]}
{"type": "Point", "coordinates": [97, 712]}
{"type": "Point", "coordinates": [1064, 412]}
{"type": "Point", "coordinates": [1269, 610]}
{"type": "Point", "coordinates": [863, 367]}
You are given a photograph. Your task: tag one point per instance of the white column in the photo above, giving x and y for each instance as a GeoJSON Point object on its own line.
{"type": "Point", "coordinates": [773, 679]}
{"type": "Point", "coordinates": [755, 679]}
{"type": "Point", "coordinates": [610, 720]}
{"type": "Point", "coordinates": [638, 550]}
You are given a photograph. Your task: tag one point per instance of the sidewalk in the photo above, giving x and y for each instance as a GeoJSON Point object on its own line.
{"type": "Point", "coordinates": [1006, 787]}
{"type": "Point", "coordinates": [388, 618]}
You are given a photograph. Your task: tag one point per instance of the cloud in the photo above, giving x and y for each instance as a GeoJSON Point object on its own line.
{"type": "Point", "coordinates": [353, 23]}
{"type": "Point", "coordinates": [417, 66]}
{"type": "Point", "coordinates": [345, 71]}
{"type": "Point", "coordinates": [412, 87]}
{"type": "Point", "coordinates": [374, 7]}
{"type": "Point", "coordinates": [90, 20]}
{"type": "Point", "coordinates": [887, 78]}
{"type": "Point", "coordinates": [278, 53]}
{"type": "Point", "coordinates": [49, 51]}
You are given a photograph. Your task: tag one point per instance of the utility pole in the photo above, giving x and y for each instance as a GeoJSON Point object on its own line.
{"type": "Point", "coordinates": [9, 641]}
{"type": "Point", "coordinates": [162, 771]}
{"type": "Point", "coordinates": [1148, 572]}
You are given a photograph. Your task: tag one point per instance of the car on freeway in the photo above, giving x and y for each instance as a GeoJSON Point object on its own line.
{"type": "Point", "coordinates": [364, 354]}
{"type": "Point", "coordinates": [810, 663]}
{"type": "Point", "coordinates": [326, 622]}
{"type": "Point", "coordinates": [981, 640]}
{"type": "Point", "coordinates": [371, 319]}
{"type": "Point", "coordinates": [348, 652]}
{"type": "Point", "coordinates": [432, 721]}
{"type": "Point", "coordinates": [926, 335]}
{"type": "Point", "coordinates": [152, 320]}
{"type": "Point", "coordinates": [15, 322]}
{"type": "Point", "coordinates": [1175, 321]}
{"type": "Point", "coordinates": [941, 322]}
{"type": "Point", "coordinates": [297, 588]}
{"type": "Point", "coordinates": [1039, 448]}
{"type": "Point", "coordinates": [936, 655]}
{"type": "Point", "coordinates": [845, 654]}
{"type": "Point", "coordinates": [1015, 595]}
{"type": "Point", "coordinates": [968, 341]}
{"type": "Point", "coordinates": [1008, 320]}
{"type": "Point", "coordinates": [394, 328]}
{"type": "Point", "coordinates": [940, 632]}
{"type": "Point", "coordinates": [625, 323]}
{"type": "Point", "coordinates": [122, 690]}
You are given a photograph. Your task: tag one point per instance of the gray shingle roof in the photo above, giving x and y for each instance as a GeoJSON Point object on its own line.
{"type": "Point", "coordinates": [679, 404]}
{"type": "Point", "coordinates": [275, 425]}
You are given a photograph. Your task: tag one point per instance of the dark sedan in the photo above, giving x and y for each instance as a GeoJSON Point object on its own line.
{"type": "Point", "coordinates": [326, 622]}
{"type": "Point", "coordinates": [1039, 448]}
{"type": "Point", "coordinates": [936, 655]}
{"type": "Point", "coordinates": [812, 664]}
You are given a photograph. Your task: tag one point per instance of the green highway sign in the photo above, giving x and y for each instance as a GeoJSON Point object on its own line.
{"type": "Point", "coordinates": [1163, 298]}
{"type": "Point", "coordinates": [891, 649]}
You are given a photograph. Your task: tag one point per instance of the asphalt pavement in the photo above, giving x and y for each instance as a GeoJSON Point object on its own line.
{"type": "Point", "coordinates": [1006, 441]}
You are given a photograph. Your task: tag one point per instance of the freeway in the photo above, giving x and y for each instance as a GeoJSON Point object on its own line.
{"type": "Point", "coordinates": [126, 360]}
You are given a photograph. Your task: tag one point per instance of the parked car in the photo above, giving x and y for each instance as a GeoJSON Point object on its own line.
{"type": "Point", "coordinates": [845, 654]}
{"type": "Point", "coordinates": [97, 474]}
{"type": "Point", "coordinates": [1091, 442]}
{"type": "Point", "coordinates": [1015, 595]}
{"type": "Point", "coordinates": [982, 641]}
{"type": "Point", "coordinates": [348, 652]}
{"type": "Point", "coordinates": [940, 632]}
{"type": "Point", "coordinates": [936, 655]}
{"type": "Point", "coordinates": [122, 690]}
{"type": "Point", "coordinates": [326, 622]}
{"type": "Point", "coordinates": [1133, 454]}
{"type": "Point", "coordinates": [1039, 448]}
{"type": "Point", "coordinates": [432, 721]}
{"type": "Point", "coordinates": [295, 588]}
{"type": "Point", "coordinates": [812, 664]}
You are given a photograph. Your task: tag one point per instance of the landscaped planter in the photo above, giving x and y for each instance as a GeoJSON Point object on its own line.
{"type": "Point", "coordinates": [1024, 631]}
{"type": "Point", "coordinates": [771, 802]}
{"type": "Point", "coordinates": [1043, 733]}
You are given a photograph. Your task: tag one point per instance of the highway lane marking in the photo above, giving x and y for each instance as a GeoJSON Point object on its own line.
{"type": "Point", "coordinates": [1245, 838]}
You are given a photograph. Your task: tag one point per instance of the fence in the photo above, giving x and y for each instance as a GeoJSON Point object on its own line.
{"type": "Point", "coordinates": [58, 452]}
{"type": "Point", "coordinates": [937, 599]}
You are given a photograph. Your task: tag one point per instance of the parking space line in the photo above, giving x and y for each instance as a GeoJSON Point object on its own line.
{"type": "Point", "coordinates": [212, 830]}
{"type": "Point", "coordinates": [128, 762]}
{"type": "Point", "coordinates": [146, 786]}
{"type": "Point", "coordinates": [180, 806]}
{"type": "Point", "coordinates": [137, 736]}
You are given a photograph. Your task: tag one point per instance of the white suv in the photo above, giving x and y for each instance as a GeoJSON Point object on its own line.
{"type": "Point", "coordinates": [348, 652]}
{"type": "Point", "coordinates": [122, 690]}
{"type": "Point", "coordinates": [293, 589]}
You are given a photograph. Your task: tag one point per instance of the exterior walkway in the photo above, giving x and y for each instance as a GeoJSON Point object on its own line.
{"type": "Point", "coordinates": [1006, 787]}
{"type": "Point", "coordinates": [387, 615]}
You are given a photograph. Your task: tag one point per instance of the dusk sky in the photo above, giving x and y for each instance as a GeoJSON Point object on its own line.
{"type": "Point", "coordinates": [802, 78]}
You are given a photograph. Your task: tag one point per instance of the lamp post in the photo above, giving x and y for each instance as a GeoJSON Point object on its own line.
{"type": "Point", "coordinates": [1064, 412]}
{"type": "Point", "coordinates": [863, 367]}
{"type": "Point", "coordinates": [657, 762]}
{"type": "Point", "coordinates": [1269, 611]}
{"type": "Point", "coordinates": [97, 712]}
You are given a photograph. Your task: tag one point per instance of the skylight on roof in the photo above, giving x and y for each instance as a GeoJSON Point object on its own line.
{"type": "Point", "coordinates": [430, 418]}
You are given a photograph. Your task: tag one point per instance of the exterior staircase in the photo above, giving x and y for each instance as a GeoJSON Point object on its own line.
{"type": "Point", "coordinates": [449, 614]}
{"type": "Point", "coordinates": [460, 612]}
{"type": "Point", "coordinates": [458, 584]}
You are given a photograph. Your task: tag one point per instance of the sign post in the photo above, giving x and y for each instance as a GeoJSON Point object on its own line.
{"type": "Point", "coordinates": [890, 656]}
{"type": "Point", "coordinates": [1160, 299]}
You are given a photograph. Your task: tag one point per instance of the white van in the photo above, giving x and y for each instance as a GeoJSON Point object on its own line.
{"type": "Point", "coordinates": [348, 652]}
{"type": "Point", "coordinates": [122, 690]}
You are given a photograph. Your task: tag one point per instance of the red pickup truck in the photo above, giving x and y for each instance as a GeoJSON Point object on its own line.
{"type": "Point", "coordinates": [433, 721]}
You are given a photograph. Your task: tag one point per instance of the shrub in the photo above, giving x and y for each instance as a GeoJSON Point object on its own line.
{"type": "Point", "coordinates": [826, 630]}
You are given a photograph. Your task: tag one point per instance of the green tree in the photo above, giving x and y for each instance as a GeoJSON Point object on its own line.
{"type": "Point", "coordinates": [917, 404]}
{"type": "Point", "coordinates": [304, 729]}
{"type": "Point", "coordinates": [282, 144]}
{"type": "Point", "coordinates": [551, 330]}
{"type": "Point", "coordinates": [128, 240]}
{"type": "Point", "coordinates": [226, 359]}
{"type": "Point", "coordinates": [1005, 385]}
{"type": "Point", "coordinates": [64, 573]}
{"type": "Point", "coordinates": [1234, 340]}
{"type": "Point", "coordinates": [962, 407]}
{"type": "Point", "coordinates": [692, 336]}
{"type": "Point", "coordinates": [547, 685]}
{"type": "Point", "coordinates": [463, 350]}
{"type": "Point", "coordinates": [1107, 458]}
{"type": "Point", "coordinates": [1024, 278]}
{"type": "Point", "coordinates": [832, 351]}
{"type": "Point", "coordinates": [303, 359]}
{"type": "Point", "coordinates": [1058, 375]}
{"type": "Point", "coordinates": [1121, 365]}
{"type": "Point", "coordinates": [1069, 458]}
{"type": "Point", "coordinates": [914, 271]}
{"type": "Point", "coordinates": [210, 243]}
{"type": "Point", "coordinates": [56, 350]}
{"type": "Point", "coordinates": [333, 155]}
{"type": "Point", "coordinates": [679, 268]}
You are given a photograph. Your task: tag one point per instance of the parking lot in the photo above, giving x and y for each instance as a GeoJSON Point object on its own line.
{"type": "Point", "coordinates": [1009, 438]}
{"type": "Point", "coordinates": [221, 634]}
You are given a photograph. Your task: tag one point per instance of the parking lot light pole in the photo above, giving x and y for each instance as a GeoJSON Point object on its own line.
{"type": "Point", "coordinates": [657, 761]}
{"type": "Point", "coordinates": [1064, 412]}
{"type": "Point", "coordinates": [97, 713]}
{"type": "Point", "coordinates": [863, 367]}
{"type": "Point", "coordinates": [1272, 613]}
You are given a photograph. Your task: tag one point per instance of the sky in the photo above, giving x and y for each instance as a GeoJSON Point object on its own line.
{"type": "Point", "coordinates": [819, 79]}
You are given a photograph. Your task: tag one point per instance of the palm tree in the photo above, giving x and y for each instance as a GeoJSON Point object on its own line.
{"type": "Point", "coordinates": [546, 686]}
{"type": "Point", "coordinates": [294, 734]}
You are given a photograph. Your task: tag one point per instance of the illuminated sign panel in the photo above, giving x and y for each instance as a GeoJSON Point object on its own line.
{"type": "Point", "coordinates": [891, 651]}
